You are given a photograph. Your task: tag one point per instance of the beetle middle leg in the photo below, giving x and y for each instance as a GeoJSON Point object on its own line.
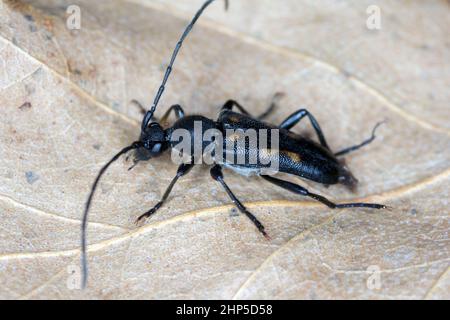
{"type": "Point", "coordinates": [182, 170]}
{"type": "Point", "coordinates": [273, 105]}
{"type": "Point", "coordinates": [297, 116]}
{"type": "Point", "coordinates": [216, 174]}
{"type": "Point", "coordinates": [295, 188]}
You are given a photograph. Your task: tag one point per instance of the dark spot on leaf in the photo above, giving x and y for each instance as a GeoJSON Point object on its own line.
{"type": "Point", "coordinates": [32, 25]}
{"type": "Point", "coordinates": [73, 69]}
{"type": "Point", "coordinates": [25, 105]}
{"type": "Point", "coordinates": [346, 73]}
{"type": "Point", "coordinates": [29, 17]}
{"type": "Point", "coordinates": [30, 89]}
{"type": "Point", "coordinates": [76, 71]}
{"type": "Point", "coordinates": [234, 212]}
{"type": "Point", "coordinates": [31, 177]}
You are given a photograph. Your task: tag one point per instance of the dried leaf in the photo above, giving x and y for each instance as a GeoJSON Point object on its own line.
{"type": "Point", "coordinates": [65, 97]}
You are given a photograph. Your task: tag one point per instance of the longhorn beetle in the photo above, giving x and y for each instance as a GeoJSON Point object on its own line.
{"type": "Point", "coordinates": [296, 155]}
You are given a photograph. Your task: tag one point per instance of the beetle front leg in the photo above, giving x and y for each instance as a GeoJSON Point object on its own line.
{"type": "Point", "coordinates": [139, 105]}
{"type": "Point", "coordinates": [216, 174]}
{"type": "Point", "coordinates": [177, 109]}
{"type": "Point", "coordinates": [233, 103]}
{"type": "Point", "coordinates": [141, 108]}
{"type": "Point", "coordinates": [295, 188]}
{"type": "Point", "coordinates": [273, 104]}
{"type": "Point", "coordinates": [182, 170]}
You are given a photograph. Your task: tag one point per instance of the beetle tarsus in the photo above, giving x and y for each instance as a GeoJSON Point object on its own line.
{"type": "Point", "coordinates": [362, 144]}
{"type": "Point", "coordinates": [216, 174]}
{"type": "Point", "coordinates": [149, 212]}
{"type": "Point", "coordinates": [183, 169]}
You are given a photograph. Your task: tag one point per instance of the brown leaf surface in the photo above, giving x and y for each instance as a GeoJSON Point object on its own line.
{"type": "Point", "coordinates": [65, 110]}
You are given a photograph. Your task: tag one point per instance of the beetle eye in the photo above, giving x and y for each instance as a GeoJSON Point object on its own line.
{"type": "Point", "coordinates": [156, 148]}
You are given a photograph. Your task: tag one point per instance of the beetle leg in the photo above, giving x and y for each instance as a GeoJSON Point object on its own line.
{"type": "Point", "coordinates": [182, 170]}
{"type": "Point", "coordinates": [273, 104]}
{"type": "Point", "coordinates": [362, 144]}
{"type": "Point", "coordinates": [233, 103]}
{"type": "Point", "coordinates": [295, 188]}
{"type": "Point", "coordinates": [179, 113]}
{"type": "Point", "coordinates": [139, 105]}
{"type": "Point", "coordinates": [141, 108]}
{"type": "Point", "coordinates": [216, 174]}
{"type": "Point", "coordinates": [295, 118]}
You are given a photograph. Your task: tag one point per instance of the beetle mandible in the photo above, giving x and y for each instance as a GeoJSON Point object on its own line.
{"type": "Point", "coordinates": [297, 155]}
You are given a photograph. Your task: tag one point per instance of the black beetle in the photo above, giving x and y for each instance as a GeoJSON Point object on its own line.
{"type": "Point", "coordinates": [295, 155]}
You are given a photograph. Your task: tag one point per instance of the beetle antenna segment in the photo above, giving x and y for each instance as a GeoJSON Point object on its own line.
{"type": "Point", "coordinates": [134, 145]}
{"type": "Point", "coordinates": [149, 114]}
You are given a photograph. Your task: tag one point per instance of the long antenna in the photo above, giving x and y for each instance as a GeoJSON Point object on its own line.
{"type": "Point", "coordinates": [134, 145]}
{"type": "Point", "coordinates": [149, 114]}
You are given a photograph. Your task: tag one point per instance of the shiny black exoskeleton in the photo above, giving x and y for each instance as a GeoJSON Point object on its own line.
{"type": "Point", "coordinates": [296, 155]}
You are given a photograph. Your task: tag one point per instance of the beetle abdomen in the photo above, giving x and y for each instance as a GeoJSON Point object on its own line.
{"type": "Point", "coordinates": [297, 155]}
{"type": "Point", "coordinates": [308, 159]}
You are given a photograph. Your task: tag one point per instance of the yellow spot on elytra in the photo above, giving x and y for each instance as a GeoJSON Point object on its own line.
{"type": "Point", "coordinates": [292, 155]}
{"type": "Point", "coordinates": [233, 118]}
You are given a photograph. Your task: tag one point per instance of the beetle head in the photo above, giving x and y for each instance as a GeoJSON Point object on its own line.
{"type": "Point", "coordinates": [153, 142]}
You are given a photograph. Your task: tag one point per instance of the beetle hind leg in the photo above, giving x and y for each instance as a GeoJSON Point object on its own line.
{"type": "Point", "coordinates": [362, 144]}
{"type": "Point", "coordinates": [297, 116]}
{"type": "Point", "coordinates": [297, 189]}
